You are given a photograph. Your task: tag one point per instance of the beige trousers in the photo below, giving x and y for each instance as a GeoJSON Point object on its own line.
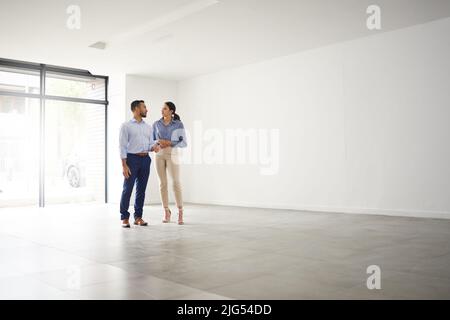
{"type": "Point", "coordinates": [166, 163]}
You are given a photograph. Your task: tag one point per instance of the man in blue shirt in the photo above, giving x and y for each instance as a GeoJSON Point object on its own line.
{"type": "Point", "coordinates": [136, 141]}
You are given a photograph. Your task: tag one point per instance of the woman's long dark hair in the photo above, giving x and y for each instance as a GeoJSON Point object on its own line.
{"type": "Point", "coordinates": [172, 107]}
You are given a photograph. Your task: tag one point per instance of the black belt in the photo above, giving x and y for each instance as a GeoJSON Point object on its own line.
{"type": "Point", "coordinates": [142, 154]}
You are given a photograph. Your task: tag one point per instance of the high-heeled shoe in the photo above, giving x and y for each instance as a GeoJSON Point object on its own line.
{"type": "Point", "coordinates": [180, 217]}
{"type": "Point", "coordinates": [167, 216]}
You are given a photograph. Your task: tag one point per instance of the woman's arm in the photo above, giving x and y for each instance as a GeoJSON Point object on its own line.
{"type": "Point", "coordinates": [179, 137]}
{"type": "Point", "coordinates": [154, 143]}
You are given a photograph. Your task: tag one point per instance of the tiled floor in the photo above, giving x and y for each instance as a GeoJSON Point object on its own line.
{"type": "Point", "coordinates": [81, 252]}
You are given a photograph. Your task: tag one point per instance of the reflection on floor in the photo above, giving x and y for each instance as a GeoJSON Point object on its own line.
{"type": "Point", "coordinates": [81, 252]}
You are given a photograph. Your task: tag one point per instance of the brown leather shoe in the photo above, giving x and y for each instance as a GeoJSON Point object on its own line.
{"type": "Point", "coordinates": [125, 223]}
{"type": "Point", "coordinates": [140, 222]}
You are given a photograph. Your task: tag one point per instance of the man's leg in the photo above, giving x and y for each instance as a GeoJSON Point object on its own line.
{"type": "Point", "coordinates": [141, 185]}
{"type": "Point", "coordinates": [128, 185]}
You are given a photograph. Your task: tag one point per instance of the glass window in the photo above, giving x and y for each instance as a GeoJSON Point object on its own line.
{"type": "Point", "coordinates": [19, 80]}
{"type": "Point", "coordinates": [74, 86]}
{"type": "Point", "coordinates": [74, 136]}
{"type": "Point", "coordinates": [19, 151]}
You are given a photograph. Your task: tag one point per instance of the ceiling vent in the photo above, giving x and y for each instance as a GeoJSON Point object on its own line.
{"type": "Point", "coordinates": [98, 45]}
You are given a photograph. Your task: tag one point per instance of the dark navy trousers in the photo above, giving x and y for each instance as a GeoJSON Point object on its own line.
{"type": "Point", "coordinates": [140, 171]}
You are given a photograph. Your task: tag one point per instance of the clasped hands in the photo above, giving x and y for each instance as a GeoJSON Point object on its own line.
{"type": "Point", "coordinates": [161, 145]}
{"type": "Point", "coordinates": [164, 143]}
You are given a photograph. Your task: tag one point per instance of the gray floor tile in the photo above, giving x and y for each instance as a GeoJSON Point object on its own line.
{"type": "Point", "coordinates": [221, 253]}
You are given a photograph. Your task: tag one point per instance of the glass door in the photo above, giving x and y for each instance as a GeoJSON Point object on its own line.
{"type": "Point", "coordinates": [74, 152]}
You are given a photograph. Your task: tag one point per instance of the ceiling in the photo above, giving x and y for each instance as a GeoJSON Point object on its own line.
{"type": "Point", "coordinates": [178, 39]}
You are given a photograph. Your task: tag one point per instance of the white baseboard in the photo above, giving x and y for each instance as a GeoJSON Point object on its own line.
{"type": "Point", "coordinates": [372, 211]}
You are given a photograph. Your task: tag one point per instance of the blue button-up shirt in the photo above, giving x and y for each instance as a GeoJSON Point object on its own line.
{"type": "Point", "coordinates": [135, 137]}
{"type": "Point", "coordinates": [174, 131]}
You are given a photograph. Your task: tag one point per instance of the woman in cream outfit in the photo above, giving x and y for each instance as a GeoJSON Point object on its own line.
{"type": "Point", "coordinates": [169, 131]}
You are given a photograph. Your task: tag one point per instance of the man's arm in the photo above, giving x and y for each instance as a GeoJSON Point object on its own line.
{"type": "Point", "coordinates": [123, 142]}
{"type": "Point", "coordinates": [125, 169]}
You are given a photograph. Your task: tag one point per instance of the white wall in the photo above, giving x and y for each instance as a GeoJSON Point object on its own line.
{"type": "Point", "coordinates": [116, 116]}
{"type": "Point", "coordinates": [364, 126]}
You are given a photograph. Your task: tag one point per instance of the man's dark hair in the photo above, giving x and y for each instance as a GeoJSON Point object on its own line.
{"type": "Point", "coordinates": [135, 104]}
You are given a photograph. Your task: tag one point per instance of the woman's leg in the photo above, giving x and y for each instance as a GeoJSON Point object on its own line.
{"type": "Point", "coordinates": [174, 171]}
{"type": "Point", "coordinates": [161, 163]}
